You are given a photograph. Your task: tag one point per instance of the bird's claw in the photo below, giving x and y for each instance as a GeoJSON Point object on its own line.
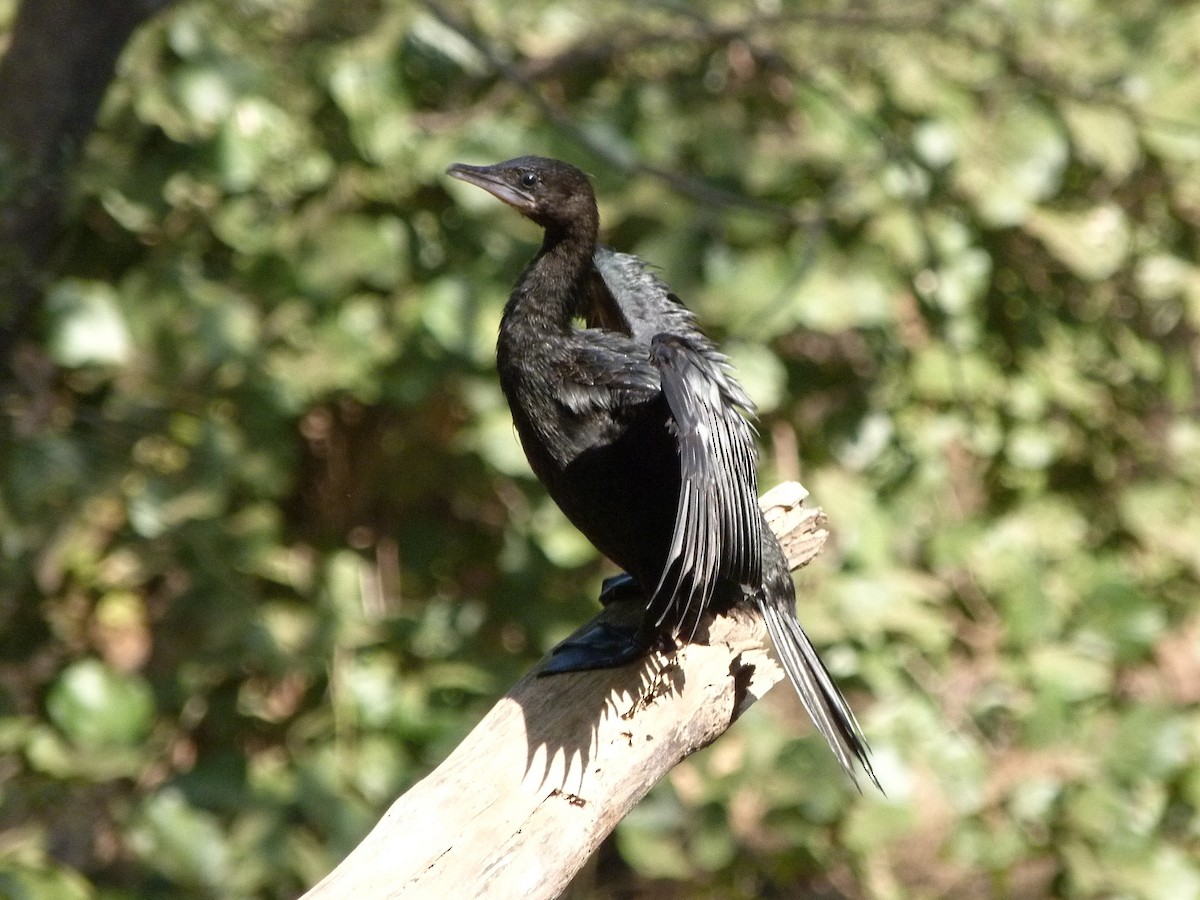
{"type": "Point", "coordinates": [619, 587]}
{"type": "Point", "coordinates": [602, 646]}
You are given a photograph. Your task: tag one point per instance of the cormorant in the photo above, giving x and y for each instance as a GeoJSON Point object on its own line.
{"type": "Point", "coordinates": [639, 431]}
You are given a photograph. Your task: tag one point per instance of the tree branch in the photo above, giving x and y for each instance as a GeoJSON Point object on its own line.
{"type": "Point", "coordinates": [523, 802]}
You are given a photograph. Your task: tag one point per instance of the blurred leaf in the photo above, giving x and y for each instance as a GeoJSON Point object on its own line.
{"type": "Point", "coordinates": [181, 841]}
{"type": "Point", "coordinates": [97, 707]}
{"type": "Point", "coordinates": [648, 841]}
{"type": "Point", "coordinates": [354, 250]}
{"type": "Point", "coordinates": [87, 326]}
{"type": "Point", "coordinates": [1092, 244]}
{"type": "Point", "coordinates": [1071, 673]}
{"type": "Point", "coordinates": [1011, 159]}
{"type": "Point", "coordinates": [1151, 743]}
{"type": "Point", "coordinates": [1104, 137]}
{"type": "Point", "coordinates": [20, 882]}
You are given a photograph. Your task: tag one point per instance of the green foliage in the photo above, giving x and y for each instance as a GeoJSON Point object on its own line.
{"type": "Point", "coordinates": [268, 547]}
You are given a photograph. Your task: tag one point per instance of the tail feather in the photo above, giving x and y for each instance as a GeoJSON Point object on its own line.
{"type": "Point", "coordinates": [821, 698]}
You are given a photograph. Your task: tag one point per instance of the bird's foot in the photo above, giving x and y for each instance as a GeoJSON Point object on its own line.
{"type": "Point", "coordinates": [619, 587]}
{"type": "Point", "coordinates": [603, 646]}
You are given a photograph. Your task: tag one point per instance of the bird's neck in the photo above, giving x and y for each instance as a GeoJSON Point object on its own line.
{"type": "Point", "coordinates": [547, 296]}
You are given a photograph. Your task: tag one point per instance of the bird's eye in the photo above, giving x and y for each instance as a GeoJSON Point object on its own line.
{"type": "Point", "coordinates": [529, 179]}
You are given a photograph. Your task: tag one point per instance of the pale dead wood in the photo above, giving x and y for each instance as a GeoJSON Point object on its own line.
{"type": "Point", "coordinates": [520, 805]}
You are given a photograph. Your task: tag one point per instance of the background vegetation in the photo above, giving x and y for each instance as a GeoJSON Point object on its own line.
{"type": "Point", "coordinates": [268, 548]}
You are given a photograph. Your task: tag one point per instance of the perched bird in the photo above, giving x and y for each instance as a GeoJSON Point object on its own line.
{"type": "Point", "coordinates": [634, 422]}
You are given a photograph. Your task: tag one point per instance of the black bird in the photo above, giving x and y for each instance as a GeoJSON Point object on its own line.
{"type": "Point", "coordinates": [639, 431]}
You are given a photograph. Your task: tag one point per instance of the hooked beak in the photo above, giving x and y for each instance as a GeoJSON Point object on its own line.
{"type": "Point", "coordinates": [492, 181]}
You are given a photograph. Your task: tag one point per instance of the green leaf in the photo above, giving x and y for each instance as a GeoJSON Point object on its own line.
{"type": "Point", "coordinates": [1093, 244]}
{"type": "Point", "coordinates": [1104, 137]}
{"type": "Point", "coordinates": [19, 881]}
{"type": "Point", "coordinates": [182, 842]}
{"type": "Point", "coordinates": [97, 707]}
{"type": "Point", "coordinates": [1011, 160]}
{"type": "Point", "coordinates": [1070, 672]}
{"type": "Point", "coordinates": [86, 324]}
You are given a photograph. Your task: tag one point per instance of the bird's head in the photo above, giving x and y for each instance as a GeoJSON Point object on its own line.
{"type": "Point", "coordinates": [554, 194]}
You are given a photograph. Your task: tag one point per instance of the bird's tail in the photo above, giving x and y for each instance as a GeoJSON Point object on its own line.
{"type": "Point", "coordinates": [825, 704]}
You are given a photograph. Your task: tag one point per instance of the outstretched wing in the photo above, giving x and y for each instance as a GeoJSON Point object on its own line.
{"type": "Point", "coordinates": [629, 298]}
{"type": "Point", "coordinates": [718, 526]}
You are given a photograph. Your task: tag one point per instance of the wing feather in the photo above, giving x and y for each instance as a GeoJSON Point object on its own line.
{"type": "Point", "coordinates": [718, 527]}
{"type": "Point", "coordinates": [717, 535]}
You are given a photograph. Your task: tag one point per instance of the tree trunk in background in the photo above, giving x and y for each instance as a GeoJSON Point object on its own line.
{"type": "Point", "coordinates": [60, 59]}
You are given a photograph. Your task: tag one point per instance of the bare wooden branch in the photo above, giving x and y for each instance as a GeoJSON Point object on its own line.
{"type": "Point", "coordinates": [519, 807]}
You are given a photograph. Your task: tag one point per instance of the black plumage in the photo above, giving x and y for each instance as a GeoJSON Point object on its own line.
{"type": "Point", "coordinates": [640, 432]}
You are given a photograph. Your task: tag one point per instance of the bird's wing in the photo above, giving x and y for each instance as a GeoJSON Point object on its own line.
{"type": "Point", "coordinates": [628, 297]}
{"type": "Point", "coordinates": [718, 526]}
{"type": "Point", "coordinates": [606, 370]}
